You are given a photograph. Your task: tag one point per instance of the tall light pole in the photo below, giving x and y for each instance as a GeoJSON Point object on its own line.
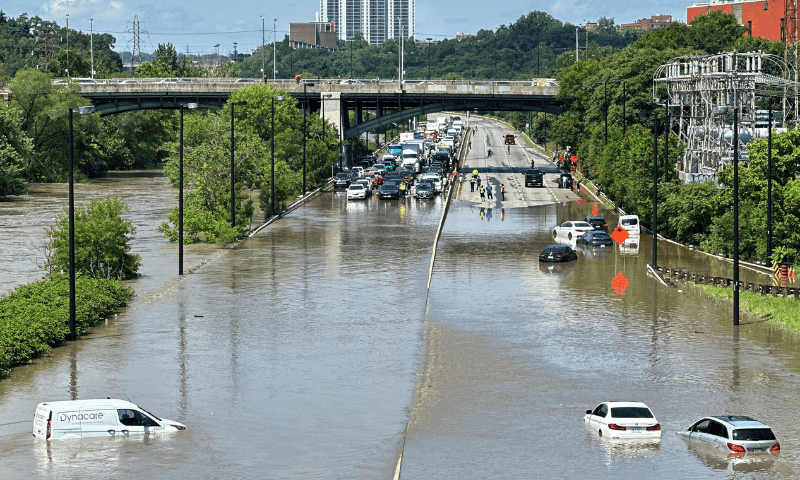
{"type": "Point", "coordinates": [263, 54]}
{"type": "Point", "coordinates": [429, 57]}
{"type": "Point", "coordinates": [180, 192]}
{"type": "Point", "coordinates": [643, 115]}
{"type": "Point", "coordinates": [735, 208]}
{"type": "Point", "coordinates": [305, 107]}
{"type": "Point", "coordinates": [769, 182]}
{"type": "Point", "coordinates": [274, 54]}
{"type": "Point", "coordinates": [67, 71]}
{"type": "Point", "coordinates": [233, 168]}
{"type": "Point", "coordinates": [667, 128]}
{"type": "Point", "coordinates": [624, 103]}
{"type": "Point", "coordinates": [72, 328]}
{"type": "Point", "coordinates": [91, 42]}
{"type": "Point", "coordinates": [605, 110]}
{"type": "Point", "coordinates": [272, 181]}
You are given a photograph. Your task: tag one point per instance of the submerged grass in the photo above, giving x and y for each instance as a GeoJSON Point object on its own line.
{"type": "Point", "coordinates": [779, 310]}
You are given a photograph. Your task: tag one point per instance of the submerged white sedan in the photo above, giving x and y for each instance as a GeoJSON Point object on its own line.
{"type": "Point", "coordinates": [627, 420]}
{"type": "Point", "coordinates": [572, 229]}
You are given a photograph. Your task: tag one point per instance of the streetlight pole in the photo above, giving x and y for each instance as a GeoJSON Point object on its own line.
{"type": "Point", "coordinates": [233, 168]}
{"type": "Point", "coordinates": [429, 57]}
{"type": "Point", "coordinates": [263, 54]}
{"type": "Point", "coordinates": [272, 181]}
{"type": "Point", "coordinates": [769, 182]}
{"type": "Point", "coordinates": [180, 192]}
{"type": "Point", "coordinates": [735, 210]}
{"type": "Point", "coordinates": [72, 329]}
{"type": "Point", "coordinates": [91, 42]}
{"type": "Point", "coordinates": [655, 192]}
{"type": "Point", "coordinates": [68, 55]}
{"type": "Point", "coordinates": [605, 110]}
{"type": "Point", "coordinates": [624, 103]}
{"type": "Point", "coordinates": [667, 128]}
{"type": "Point", "coordinates": [305, 107]}
{"type": "Point", "coordinates": [274, 54]}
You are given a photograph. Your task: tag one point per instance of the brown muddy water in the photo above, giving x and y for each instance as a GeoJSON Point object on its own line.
{"type": "Point", "coordinates": [313, 350]}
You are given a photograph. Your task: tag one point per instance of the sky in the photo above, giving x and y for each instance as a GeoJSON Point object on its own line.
{"type": "Point", "coordinates": [197, 26]}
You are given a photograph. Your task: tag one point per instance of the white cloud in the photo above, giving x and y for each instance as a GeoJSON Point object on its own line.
{"type": "Point", "coordinates": [108, 10]}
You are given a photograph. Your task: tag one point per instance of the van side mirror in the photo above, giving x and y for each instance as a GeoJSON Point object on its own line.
{"type": "Point", "coordinates": [588, 412]}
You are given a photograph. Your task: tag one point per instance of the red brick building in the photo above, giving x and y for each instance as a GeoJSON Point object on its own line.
{"type": "Point", "coordinates": [763, 18]}
{"type": "Point", "coordinates": [653, 23]}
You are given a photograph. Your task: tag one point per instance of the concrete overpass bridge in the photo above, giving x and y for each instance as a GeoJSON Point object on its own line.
{"type": "Point", "coordinates": [353, 106]}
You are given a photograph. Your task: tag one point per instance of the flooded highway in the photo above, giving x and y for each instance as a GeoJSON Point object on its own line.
{"type": "Point", "coordinates": [314, 349]}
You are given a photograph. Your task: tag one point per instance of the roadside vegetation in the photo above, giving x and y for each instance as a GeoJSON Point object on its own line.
{"type": "Point", "coordinates": [781, 311]}
{"type": "Point", "coordinates": [35, 317]}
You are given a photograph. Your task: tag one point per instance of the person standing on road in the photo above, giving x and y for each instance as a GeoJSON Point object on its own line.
{"type": "Point", "coordinates": [502, 192]}
{"type": "Point", "coordinates": [479, 181]}
{"type": "Point", "coordinates": [483, 193]}
{"type": "Point", "coordinates": [489, 192]}
{"type": "Point", "coordinates": [472, 184]}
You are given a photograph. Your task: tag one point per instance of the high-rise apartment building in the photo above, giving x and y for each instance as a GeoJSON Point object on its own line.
{"type": "Point", "coordinates": [376, 20]}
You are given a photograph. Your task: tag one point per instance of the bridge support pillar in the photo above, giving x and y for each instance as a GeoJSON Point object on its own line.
{"type": "Point", "coordinates": [331, 111]}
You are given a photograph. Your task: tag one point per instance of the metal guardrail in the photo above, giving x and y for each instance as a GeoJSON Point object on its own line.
{"type": "Point", "coordinates": [763, 289]}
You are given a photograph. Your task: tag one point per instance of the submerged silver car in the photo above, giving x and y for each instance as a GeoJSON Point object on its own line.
{"type": "Point", "coordinates": [733, 434]}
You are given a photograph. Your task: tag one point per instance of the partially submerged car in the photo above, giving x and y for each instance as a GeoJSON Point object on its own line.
{"type": "Point", "coordinates": [623, 420]}
{"type": "Point", "coordinates": [96, 418]}
{"type": "Point", "coordinates": [733, 434]}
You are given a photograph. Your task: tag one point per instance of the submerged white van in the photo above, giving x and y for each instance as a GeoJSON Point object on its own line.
{"type": "Point", "coordinates": [96, 418]}
{"type": "Point", "coordinates": [631, 224]}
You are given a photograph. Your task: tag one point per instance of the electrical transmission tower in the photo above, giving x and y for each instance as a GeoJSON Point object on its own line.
{"type": "Point", "coordinates": [703, 92]}
{"type": "Point", "coordinates": [136, 51]}
{"type": "Point", "coordinates": [49, 46]}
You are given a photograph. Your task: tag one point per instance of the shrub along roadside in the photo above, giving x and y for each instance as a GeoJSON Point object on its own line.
{"type": "Point", "coordinates": [781, 311]}
{"type": "Point", "coordinates": [35, 317]}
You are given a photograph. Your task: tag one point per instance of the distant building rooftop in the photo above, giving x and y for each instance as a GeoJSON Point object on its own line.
{"type": "Point", "coordinates": [648, 24]}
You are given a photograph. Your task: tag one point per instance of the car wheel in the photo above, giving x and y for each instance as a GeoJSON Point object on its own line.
{"type": "Point", "coordinates": [569, 236]}
{"type": "Point", "coordinates": [555, 234]}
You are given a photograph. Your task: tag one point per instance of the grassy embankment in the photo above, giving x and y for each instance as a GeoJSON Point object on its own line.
{"type": "Point", "coordinates": [35, 317]}
{"type": "Point", "coordinates": [781, 311]}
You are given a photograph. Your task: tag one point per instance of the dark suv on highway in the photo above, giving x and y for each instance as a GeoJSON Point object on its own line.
{"type": "Point", "coordinates": [533, 178]}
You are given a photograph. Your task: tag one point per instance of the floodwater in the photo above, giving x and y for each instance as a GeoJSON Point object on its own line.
{"type": "Point", "coordinates": [314, 350]}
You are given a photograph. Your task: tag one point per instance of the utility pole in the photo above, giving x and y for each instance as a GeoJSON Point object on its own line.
{"type": "Point", "coordinates": [263, 54]}
{"type": "Point", "coordinates": [576, 43]}
{"type": "Point", "coordinates": [91, 42]}
{"type": "Point", "coordinates": [274, 54]}
{"type": "Point", "coordinates": [67, 72]}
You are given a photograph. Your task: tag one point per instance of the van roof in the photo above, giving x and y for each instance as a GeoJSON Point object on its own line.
{"type": "Point", "coordinates": [106, 402]}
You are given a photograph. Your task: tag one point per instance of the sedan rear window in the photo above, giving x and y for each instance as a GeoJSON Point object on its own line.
{"type": "Point", "coordinates": [631, 412]}
{"type": "Point", "coordinates": [753, 434]}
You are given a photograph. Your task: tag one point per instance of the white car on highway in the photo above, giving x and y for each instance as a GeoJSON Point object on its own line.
{"type": "Point", "coordinates": [626, 420]}
{"type": "Point", "coordinates": [356, 191]}
{"type": "Point", "coordinates": [572, 229]}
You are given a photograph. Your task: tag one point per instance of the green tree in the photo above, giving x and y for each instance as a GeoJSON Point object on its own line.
{"type": "Point", "coordinates": [102, 242]}
{"type": "Point", "coordinates": [15, 148]}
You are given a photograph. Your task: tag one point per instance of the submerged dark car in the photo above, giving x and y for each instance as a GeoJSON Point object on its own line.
{"type": "Point", "coordinates": [557, 253]}
{"type": "Point", "coordinates": [389, 190]}
{"type": "Point", "coordinates": [598, 223]}
{"type": "Point", "coordinates": [595, 239]}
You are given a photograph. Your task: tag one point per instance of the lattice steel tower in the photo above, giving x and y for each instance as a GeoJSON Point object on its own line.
{"type": "Point", "coordinates": [700, 88]}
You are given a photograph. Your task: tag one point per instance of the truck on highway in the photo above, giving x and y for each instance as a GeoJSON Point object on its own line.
{"type": "Point", "coordinates": [534, 178]}
{"type": "Point", "coordinates": [510, 139]}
